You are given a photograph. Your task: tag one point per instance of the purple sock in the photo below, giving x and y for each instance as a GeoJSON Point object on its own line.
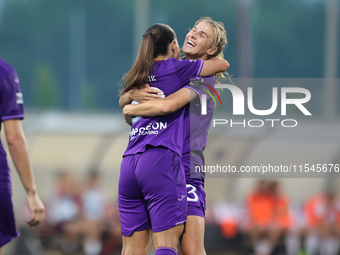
{"type": "Point", "coordinates": [165, 251]}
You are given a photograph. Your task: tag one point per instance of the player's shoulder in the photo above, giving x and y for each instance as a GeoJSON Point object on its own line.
{"type": "Point", "coordinates": [171, 61]}
{"type": "Point", "coordinates": [169, 65]}
{"type": "Point", "coordinates": [184, 60]}
{"type": "Point", "coordinates": [179, 63]}
{"type": "Point", "coordinates": [5, 69]}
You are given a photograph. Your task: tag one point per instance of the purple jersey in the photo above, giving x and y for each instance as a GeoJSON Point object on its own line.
{"type": "Point", "coordinates": [167, 131]}
{"type": "Point", "coordinates": [11, 107]}
{"type": "Point", "coordinates": [196, 136]}
{"type": "Point", "coordinates": [196, 132]}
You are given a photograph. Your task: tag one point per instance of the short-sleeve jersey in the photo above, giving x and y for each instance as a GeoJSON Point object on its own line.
{"type": "Point", "coordinates": [11, 107]}
{"type": "Point", "coordinates": [196, 135]}
{"type": "Point", "coordinates": [167, 131]}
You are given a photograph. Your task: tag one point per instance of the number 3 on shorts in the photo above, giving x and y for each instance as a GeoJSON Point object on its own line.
{"type": "Point", "coordinates": [191, 191]}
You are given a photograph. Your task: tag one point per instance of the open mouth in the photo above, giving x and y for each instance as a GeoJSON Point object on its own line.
{"type": "Point", "coordinates": [190, 44]}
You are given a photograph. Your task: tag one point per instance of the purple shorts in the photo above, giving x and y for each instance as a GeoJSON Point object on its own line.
{"type": "Point", "coordinates": [152, 192]}
{"type": "Point", "coordinates": [194, 184]}
{"type": "Point", "coordinates": [8, 230]}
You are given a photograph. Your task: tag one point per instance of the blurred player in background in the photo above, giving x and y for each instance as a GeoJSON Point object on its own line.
{"type": "Point", "coordinates": [322, 214]}
{"type": "Point", "coordinates": [205, 40]}
{"type": "Point", "coordinates": [152, 188]}
{"type": "Point", "coordinates": [11, 114]}
{"type": "Point", "coordinates": [268, 217]}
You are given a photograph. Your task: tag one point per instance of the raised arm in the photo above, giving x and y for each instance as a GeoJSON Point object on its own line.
{"type": "Point", "coordinates": [161, 106]}
{"type": "Point", "coordinates": [18, 149]}
{"type": "Point", "coordinates": [213, 66]}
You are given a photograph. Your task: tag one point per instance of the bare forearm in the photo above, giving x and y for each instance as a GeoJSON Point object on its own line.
{"type": "Point", "coordinates": [18, 150]}
{"type": "Point", "coordinates": [147, 109]}
{"type": "Point", "coordinates": [162, 106]}
{"type": "Point", "coordinates": [125, 99]}
{"type": "Point", "coordinates": [213, 66]}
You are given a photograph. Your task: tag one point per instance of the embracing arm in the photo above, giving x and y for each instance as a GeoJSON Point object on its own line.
{"type": "Point", "coordinates": [213, 66]}
{"type": "Point", "coordinates": [125, 99]}
{"type": "Point", "coordinates": [176, 100]}
{"type": "Point", "coordinates": [139, 95]}
{"type": "Point", "coordinates": [158, 107]}
{"type": "Point", "coordinates": [18, 149]}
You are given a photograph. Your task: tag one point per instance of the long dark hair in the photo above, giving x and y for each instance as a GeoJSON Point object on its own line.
{"type": "Point", "coordinates": [155, 43]}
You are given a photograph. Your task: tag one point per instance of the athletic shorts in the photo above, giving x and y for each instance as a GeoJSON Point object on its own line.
{"type": "Point", "coordinates": [8, 230]}
{"type": "Point", "coordinates": [194, 184]}
{"type": "Point", "coordinates": [152, 191]}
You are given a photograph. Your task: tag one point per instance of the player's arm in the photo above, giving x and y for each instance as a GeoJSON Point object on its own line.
{"type": "Point", "coordinates": [213, 66]}
{"type": "Point", "coordinates": [161, 106]}
{"type": "Point", "coordinates": [17, 146]}
{"type": "Point", "coordinates": [139, 95]}
{"type": "Point", "coordinates": [125, 99]}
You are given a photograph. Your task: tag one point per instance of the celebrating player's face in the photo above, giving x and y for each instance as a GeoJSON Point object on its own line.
{"type": "Point", "coordinates": [198, 42]}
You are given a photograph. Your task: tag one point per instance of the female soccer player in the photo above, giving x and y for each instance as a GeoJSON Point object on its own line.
{"type": "Point", "coordinates": [206, 40]}
{"type": "Point", "coordinates": [152, 187]}
{"type": "Point", "coordinates": [11, 112]}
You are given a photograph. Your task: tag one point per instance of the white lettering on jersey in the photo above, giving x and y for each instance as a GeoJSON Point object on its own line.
{"type": "Point", "coordinates": [151, 129]}
{"type": "Point", "coordinates": [151, 78]}
{"type": "Point", "coordinates": [20, 99]}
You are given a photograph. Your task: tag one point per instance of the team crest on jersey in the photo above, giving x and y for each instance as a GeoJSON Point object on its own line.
{"type": "Point", "coordinates": [20, 99]}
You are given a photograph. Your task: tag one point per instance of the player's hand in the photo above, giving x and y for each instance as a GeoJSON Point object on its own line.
{"type": "Point", "coordinates": [37, 209]}
{"type": "Point", "coordinates": [127, 117]}
{"type": "Point", "coordinates": [145, 94]}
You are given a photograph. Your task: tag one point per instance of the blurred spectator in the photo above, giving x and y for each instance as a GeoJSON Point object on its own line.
{"type": "Point", "coordinates": [269, 217]}
{"type": "Point", "coordinates": [322, 213]}
{"type": "Point", "coordinates": [64, 208]}
{"type": "Point", "coordinates": [281, 216]}
{"type": "Point", "coordinates": [93, 198]}
{"type": "Point", "coordinates": [65, 203]}
{"type": "Point", "coordinates": [80, 221]}
{"type": "Point", "coordinates": [112, 232]}
{"type": "Point", "coordinates": [87, 228]}
{"type": "Point", "coordinates": [295, 232]}
{"type": "Point", "coordinates": [227, 216]}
